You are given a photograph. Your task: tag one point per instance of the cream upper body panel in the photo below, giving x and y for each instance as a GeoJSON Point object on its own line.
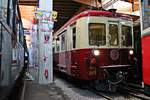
{"type": "Point", "coordinates": [83, 37]}
{"type": "Point", "coordinates": [83, 30]}
{"type": "Point", "coordinates": [81, 26]}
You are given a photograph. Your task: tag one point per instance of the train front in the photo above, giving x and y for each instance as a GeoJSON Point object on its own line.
{"type": "Point", "coordinates": [109, 55]}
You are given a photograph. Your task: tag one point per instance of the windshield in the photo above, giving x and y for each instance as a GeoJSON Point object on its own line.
{"type": "Point", "coordinates": [113, 35]}
{"type": "Point", "coordinates": [126, 36]}
{"type": "Point", "coordinates": [97, 34]}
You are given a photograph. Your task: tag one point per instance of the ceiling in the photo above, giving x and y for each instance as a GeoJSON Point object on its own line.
{"type": "Point", "coordinates": [67, 8]}
{"type": "Point", "coordinates": [124, 6]}
{"type": "Point", "coordinates": [28, 2]}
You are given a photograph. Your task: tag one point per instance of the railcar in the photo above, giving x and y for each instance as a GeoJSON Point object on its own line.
{"type": "Point", "coordinates": [12, 51]}
{"type": "Point", "coordinates": [145, 59]}
{"type": "Point", "coordinates": [95, 46]}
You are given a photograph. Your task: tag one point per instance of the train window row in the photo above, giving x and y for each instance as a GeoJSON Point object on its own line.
{"type": "Point", "coordinates": [97, 35]}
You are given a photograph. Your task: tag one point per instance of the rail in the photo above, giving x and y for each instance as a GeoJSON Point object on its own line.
{"type": "Point", "coordinates": [101, 94]}
{"type": "Point", "coordinates": [133, 92]}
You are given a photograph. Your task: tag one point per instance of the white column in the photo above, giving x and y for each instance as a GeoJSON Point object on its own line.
{"type": "Point", "coordinates": [45, 41]}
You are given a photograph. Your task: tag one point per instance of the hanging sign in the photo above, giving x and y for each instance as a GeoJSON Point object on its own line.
{"type": "Point", "coordinates": [44, 17]}
{"type": "Point", "coordinates": [54, 15]}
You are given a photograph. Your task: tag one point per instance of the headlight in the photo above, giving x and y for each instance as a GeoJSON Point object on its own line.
{"type": "Point", "coordinates": [96, 52]}
{"type": "Point", "coordinates": [131, 52]}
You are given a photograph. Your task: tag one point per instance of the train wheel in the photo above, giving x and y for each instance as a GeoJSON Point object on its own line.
{"type": "Point", "coordinates": [100, 85]}
{"type": "Point", "coordinates": [83, 84]}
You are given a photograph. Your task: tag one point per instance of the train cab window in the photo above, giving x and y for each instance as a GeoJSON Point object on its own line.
{"type": "Point", "coordinates": [113, 34]}
{"type": "Point", "coordinates": [126, 36]}
{"type": "Point", "coordinates": [74, 37]}
{"type": "Point", "coordinates": [97, 34]}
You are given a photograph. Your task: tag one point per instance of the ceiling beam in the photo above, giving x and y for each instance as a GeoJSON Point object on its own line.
{"type": "Point", "coordinates": [28, 2]}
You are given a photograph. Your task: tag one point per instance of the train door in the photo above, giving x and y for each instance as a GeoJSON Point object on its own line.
{"type": "Point", "coordinates": [56, 51]}
{"type": "Point", "coordinates": [73, 32]}
{"type": "Point", "coordinates": [113, 42]}
{"type": "Point", "coordinates": [137, 53]}
{"type": "Point", "coordinates": [72, 45]}
{"type": "Point", "coordinates": [63, 50]}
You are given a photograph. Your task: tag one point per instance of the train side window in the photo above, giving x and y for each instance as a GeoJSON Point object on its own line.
{"type": "Point", "coordinates": [126, 36]}
{"type": "Point", "coordinates": [97, 34]}
{"type": "Point", "coordinates": [53, 46]}
{"type": "Point", "coordinates": [63, 41]}
{"type": "Point", "coordinates": [113, 34]}
{"type": "Point", "coordinates": [74, 37]}
{"type": "Point", "coordinates": [57, 44]}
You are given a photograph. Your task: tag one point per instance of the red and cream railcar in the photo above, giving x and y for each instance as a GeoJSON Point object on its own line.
{"type": "Point", "coordinates": [95, 45]}
{"type": "Point", "coordinates": [145, 59]}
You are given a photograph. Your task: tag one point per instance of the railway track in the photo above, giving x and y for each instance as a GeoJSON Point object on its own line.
{"type": "Point", "coordinates": [133, 92]}
{"type": "Point", "coordinates": [90, 89]}
{"type": "Point", "coordinates": [104, 95]}
{"type": "Point", "coordinates": [122, 91]}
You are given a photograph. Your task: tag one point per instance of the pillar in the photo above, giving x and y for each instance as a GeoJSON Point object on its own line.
{"type": "Point", "coordinates": [45, 25]}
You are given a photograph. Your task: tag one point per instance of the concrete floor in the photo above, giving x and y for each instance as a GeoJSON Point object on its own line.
{"type": "Point", "coordinates": [34, 91]}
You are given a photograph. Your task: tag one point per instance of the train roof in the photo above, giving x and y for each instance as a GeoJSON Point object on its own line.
{"type": "Point", "coordinates": [94, 13]}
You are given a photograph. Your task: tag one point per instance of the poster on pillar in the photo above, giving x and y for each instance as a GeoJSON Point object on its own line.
{"type": "Point", "coordinates": [44, 15]}
{"type": "Point", "coordinates": [45, 48]}
{"type": "Point", "coordinates": [46, 38]}
{"type": "Point", "coordinates": [47, 27]}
